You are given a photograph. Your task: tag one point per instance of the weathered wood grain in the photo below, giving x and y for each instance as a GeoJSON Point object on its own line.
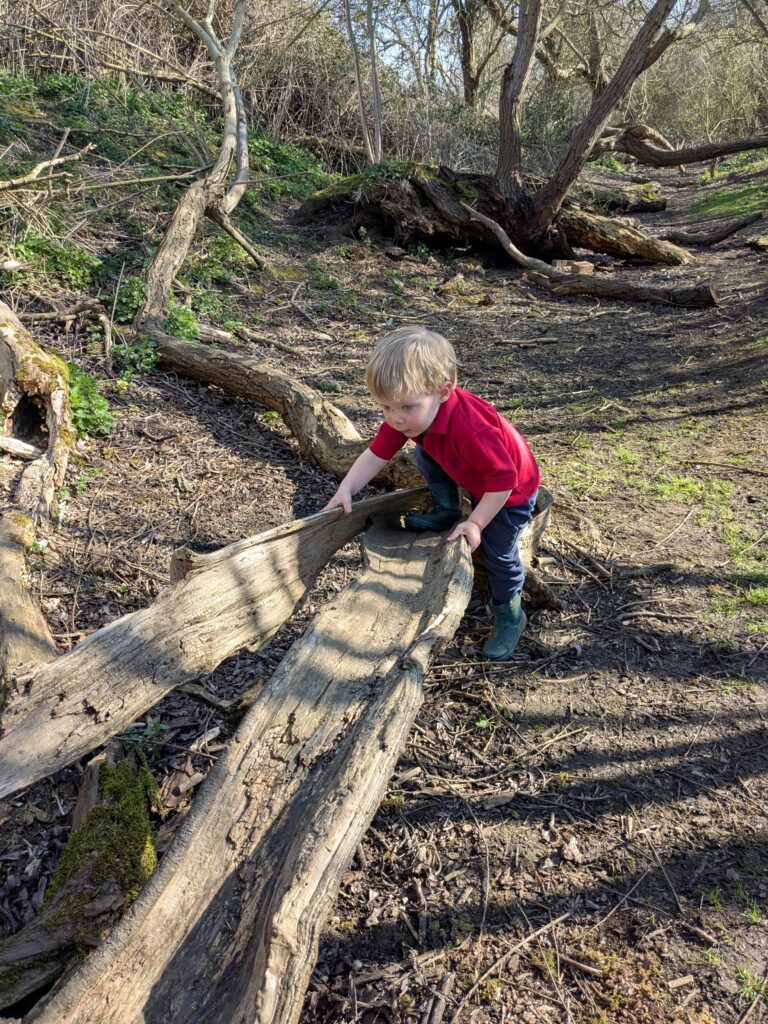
{"type": "Point", "coordinates": [228, 927]}
{"type": "Point", "coordinates": [239, 595]}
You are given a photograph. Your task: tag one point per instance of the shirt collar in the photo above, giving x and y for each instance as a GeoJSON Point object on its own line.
{"type": "Point", "coordinates": [440, 422]}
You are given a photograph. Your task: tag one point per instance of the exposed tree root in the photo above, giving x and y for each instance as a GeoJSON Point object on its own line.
{"type": "Point", "coordinates": [418, 208]}
{"type": "Point", "coordinates": [577, 284]}
{"type": "Point", "coordinates": [706, 238]}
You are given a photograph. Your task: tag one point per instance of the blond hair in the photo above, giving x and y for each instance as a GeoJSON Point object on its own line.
{"type": "Point", "coordinates": [410, 361]}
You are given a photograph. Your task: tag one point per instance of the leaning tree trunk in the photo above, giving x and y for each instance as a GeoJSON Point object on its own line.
{"type": "Point", "coordinates": [549, 199]}
{"type": "Point", "coordinates": [212, 195]}
{"type": "Point", "coordinates": [228, 927]}
{"type": "Point", "coordinates": [34, 406]}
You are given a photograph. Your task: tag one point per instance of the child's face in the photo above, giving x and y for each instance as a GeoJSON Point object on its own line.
{"type": "Point", "coordinates": [412, 415]}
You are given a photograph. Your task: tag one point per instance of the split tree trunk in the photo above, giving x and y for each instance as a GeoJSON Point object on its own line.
{"type": "Point", "coordinates": [70, 706]}
{"type": "Point", "coordinates": [227, 929]}
{"type": "Point", "coordinates": [34, 407]}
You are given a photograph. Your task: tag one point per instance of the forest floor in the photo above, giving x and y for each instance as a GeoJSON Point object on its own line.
{"type": "Point", "coordinates": [579, 835]}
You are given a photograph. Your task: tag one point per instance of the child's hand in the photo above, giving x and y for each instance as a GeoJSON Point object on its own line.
{"type": "Point", "coordinates": [466, 529]}
{"type": "Point", "coordinates": [341, 499]}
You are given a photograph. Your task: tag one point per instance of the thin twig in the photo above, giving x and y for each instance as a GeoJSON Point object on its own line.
{"type": "Point", "coordinates": [497, 964]}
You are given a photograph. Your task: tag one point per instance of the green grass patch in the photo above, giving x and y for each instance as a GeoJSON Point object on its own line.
{"type": "Point", "coordinates": [738, 163]}
{"type": "Point", "coordinates": [740, 200]}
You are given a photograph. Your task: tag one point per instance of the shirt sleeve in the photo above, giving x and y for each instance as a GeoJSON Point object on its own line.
{"type": "Point", "coordinates": [492, 461]}
{"type": "Point", "coordinates": [387, 442]}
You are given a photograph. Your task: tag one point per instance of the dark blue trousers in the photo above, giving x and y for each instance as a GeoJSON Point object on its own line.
{"type": "Point", "coordinates": [498, 541]}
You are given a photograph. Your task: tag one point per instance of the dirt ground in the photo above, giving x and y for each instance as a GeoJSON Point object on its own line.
{"type": "Point", "coordinates": [579, 835]}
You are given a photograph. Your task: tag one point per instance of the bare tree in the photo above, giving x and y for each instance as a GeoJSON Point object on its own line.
{"type": "Point", "coordinates": [373, 148]}
{"type": "Point", "coordinates": [216, 194]}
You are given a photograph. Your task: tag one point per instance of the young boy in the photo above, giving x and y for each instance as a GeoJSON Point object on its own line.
{"type": "Point", "coordinates": [461, 441]}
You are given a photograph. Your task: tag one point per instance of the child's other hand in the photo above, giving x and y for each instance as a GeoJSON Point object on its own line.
{"type": "Point", "coordinates": [469, 530]}
{"type": "Point", "coordinates": [341, 499]}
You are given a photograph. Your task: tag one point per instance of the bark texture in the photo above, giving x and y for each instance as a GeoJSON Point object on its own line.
{"type": "Point", "coordinates": [239, 595]}
{"type": "Point", "coordinates": [227, 929]}
{"type": "Point", "coordinates": [618, 238]}
{"type": "Point", "coordinates": [34, 408]}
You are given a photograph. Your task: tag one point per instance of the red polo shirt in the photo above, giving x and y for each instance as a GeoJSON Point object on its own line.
{"type": "Point", "coordinates": [475, 446]}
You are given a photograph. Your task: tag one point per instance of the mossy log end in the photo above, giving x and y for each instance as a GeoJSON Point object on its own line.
{"type": "Point", "coordinates": [642, 197]}
{"type": "Point", "coordinates": [428, 207]}
{"type": "Point", "coordinates": [104, 865]}
{"type": "Point", "coordinates": [228, 927]}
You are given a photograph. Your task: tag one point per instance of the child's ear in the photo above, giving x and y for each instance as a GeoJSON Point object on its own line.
{"type": "Point", "coordinates": [445, 391]}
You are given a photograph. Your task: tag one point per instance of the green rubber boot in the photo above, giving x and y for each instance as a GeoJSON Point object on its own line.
{"type": "Point", "coordinates": [508, 624]}
{"type": "Point", "coordinates": [445, 510]}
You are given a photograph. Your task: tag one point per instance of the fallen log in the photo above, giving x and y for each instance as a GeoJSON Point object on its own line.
{"type": "Point", "coordinates": [561, 283]}
{"type": "Point", "coordinates": [228, 927]}
{"type": "Point", "coordinates": [325, 435]}
{"type": "Point", "coordinates": [712, 237]}
{"type": "Point", "coordinates": [647, 146]}
{"type": "Point", "coordinates": [694, 295]}
{"type": "Point", "coordinates": [642, 197]}
{"type": "Point", "coordinates": [616, 237]}
{"type": "Point", "coordinates": [239, 595]}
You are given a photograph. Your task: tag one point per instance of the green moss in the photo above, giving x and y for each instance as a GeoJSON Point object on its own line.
{"type": "Point", "coordinates": [116, 837]}
{"type": "Point", "coordinates": [338, 188]}
{"type": "Point", "coordinates": [11, 976]}
{"type": "Point", "coordinates": [392, 805]}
